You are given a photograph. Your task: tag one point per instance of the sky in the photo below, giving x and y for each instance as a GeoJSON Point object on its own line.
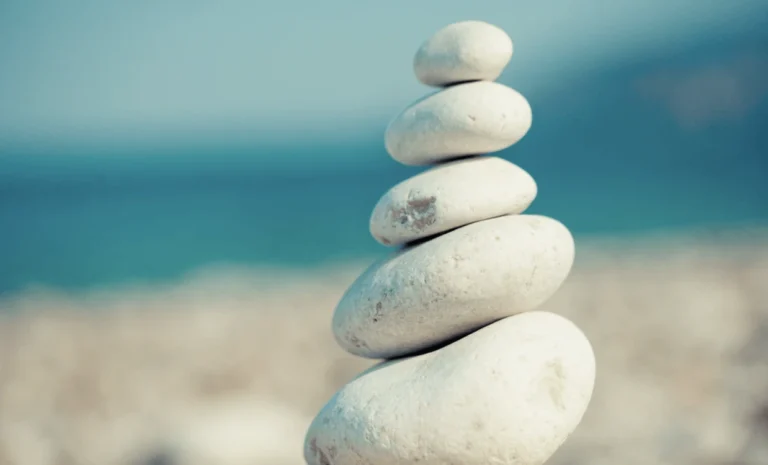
{"type": "Point", "coordinates": [79, 72]}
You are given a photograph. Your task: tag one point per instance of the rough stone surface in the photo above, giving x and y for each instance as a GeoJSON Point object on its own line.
{"type": "Point", "coordinates": [461, 52]}
{"type": "Point", "coordinates": [509, 393]}
{"type": "Point", "coordinates": [467, 119]}
{"type": "Point", "coordinates": [451, 285]}
{"type": "Point", "coordinates": [449, 196]}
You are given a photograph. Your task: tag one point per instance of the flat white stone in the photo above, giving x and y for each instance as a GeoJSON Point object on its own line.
{"type": "Point", "coordinates": [463, 51]}
{"type": "Point", "coordinates": [467, 119]}
{"type": "Point", "coordinates": [449, 196]}
{"type": "Point", "coordinates": [444, 288]}
{"type": "Point", "coordinates": [510, 393]}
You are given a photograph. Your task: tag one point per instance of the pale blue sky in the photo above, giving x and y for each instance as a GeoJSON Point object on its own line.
{"type": "Point", "coordinates": [78, 71]}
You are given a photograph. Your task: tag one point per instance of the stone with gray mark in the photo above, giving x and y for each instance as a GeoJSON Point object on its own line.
{"type": "Point", "coordinates": [510, 393]}
{"type": "Point", "coordinates": [449, 196]}
{"type": "Point", "coordinates": [462, 52]}
{"type": "Point", "coordinates": [428, 294]}
{"type": "Point", "coordinates": [467, 119]}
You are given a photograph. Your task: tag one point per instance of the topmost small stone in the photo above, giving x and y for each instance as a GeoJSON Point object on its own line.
{"type": "Point", "coordinates": [461, 52]}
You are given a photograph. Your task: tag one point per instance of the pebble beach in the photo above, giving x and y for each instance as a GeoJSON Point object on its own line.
{"type": "Point", "coordinates": [228, 366]}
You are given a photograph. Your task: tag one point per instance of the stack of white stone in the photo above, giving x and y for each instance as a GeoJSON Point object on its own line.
{"type": "Point", "coordinates": [474, 376]}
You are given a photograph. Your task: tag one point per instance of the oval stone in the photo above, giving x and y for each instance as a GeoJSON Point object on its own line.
{"type": "Point", "coordinates": [510, 393]}
{"type": "Point", "coordinates": [449, 196]}
{"type": "Point", "coordinates": [467, 119]}
{"type": "Point", "coordinates": [438, 290]}
{"type": "Point", "coordinates": [461, 52]}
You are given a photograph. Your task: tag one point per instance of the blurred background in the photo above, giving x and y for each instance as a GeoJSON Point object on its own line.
{"type": "Point", "coordinates": [185, 190]}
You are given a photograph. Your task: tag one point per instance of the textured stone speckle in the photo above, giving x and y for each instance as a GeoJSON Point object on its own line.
{"type": "Point", "coordinates": [450, 196]}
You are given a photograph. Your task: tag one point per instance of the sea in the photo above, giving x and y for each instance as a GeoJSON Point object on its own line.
{"type": "Point", "coordinates": [672, 143]}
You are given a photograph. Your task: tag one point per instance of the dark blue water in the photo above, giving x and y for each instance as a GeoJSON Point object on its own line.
{"type": "Point", "coordinates": [609, 159]}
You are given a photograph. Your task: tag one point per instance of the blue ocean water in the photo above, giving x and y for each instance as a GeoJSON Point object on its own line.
{"type": "Point", "coordinates": [78, 233]}
{"type": "Point", "coordinates": [626, 150]}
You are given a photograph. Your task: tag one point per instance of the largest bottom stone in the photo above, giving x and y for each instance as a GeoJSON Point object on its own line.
{"type": "Point", "coordinates": [509, 393]}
